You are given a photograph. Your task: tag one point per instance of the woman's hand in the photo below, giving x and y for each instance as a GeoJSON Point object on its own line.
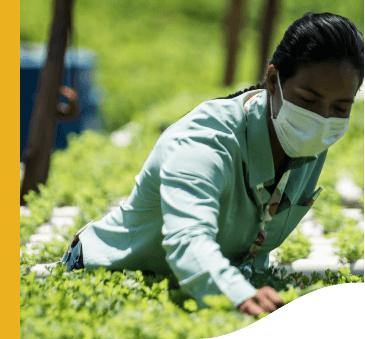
{"type": "Point", "coordinates": [265, 300]}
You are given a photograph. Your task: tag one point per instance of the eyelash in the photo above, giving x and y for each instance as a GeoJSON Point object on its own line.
{"type": "Point", "coordinates": [312, 102]}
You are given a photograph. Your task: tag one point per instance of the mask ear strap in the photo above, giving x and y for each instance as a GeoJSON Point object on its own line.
{"type": "Point", "coordinates": [281, 92]}
{"type": "Point", "coordinates": [272, 113]}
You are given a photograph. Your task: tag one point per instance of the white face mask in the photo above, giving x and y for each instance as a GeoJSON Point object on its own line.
{"type": "Point", "coordinates": [304, 133]}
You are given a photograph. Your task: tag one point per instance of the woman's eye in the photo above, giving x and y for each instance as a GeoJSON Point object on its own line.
{"type": "Point", "coordinates": [337, 108]}
{"type": "Point", "coordinates": [309, 101]}
{"type": "Point", "coordinates": [341, 110]}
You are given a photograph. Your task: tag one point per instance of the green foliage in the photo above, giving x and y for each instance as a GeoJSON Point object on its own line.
{"type": "Point", "coordinates": [76, 173]}
{"type": "Point", "coordinates": [331, 218]}
{"type": "Point", "coordinates": [130, 304]}
{"type": "Point", "coordinates": [296, 246]}
{"type": "Point", "coordinates": [41, 207]}
{"type": "Point", "coordinates": [350, 242]}
{"type": "Point", "coordinates": [115, 305]}
{"type": "Point", "coordinates": [91, 173]}
{"type": "Point", "coordinates": [278, 279]}
{"type": "Point", "coordinates": [27, 227]}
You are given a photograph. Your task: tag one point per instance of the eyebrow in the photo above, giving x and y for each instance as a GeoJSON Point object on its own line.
{"type": "Point", "coordinates": [319, 95]}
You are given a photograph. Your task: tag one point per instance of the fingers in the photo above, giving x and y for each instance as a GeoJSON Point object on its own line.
{"type": "Point", "coordinates": [269, 293]}
{"type": "Point", "coordinates": [265, 300]}
{"type": "Point", "coordinates": [266, 304]}
{"type": "Point", "coordinates": [252, 308]}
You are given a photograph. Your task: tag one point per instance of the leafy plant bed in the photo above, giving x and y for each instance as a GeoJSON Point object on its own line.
{"type": "Point", "coordinates": [348, 242]}
{"type": "Point", "coordinates": [94, 305]}
{"type": "Point", "coordinates": [130, 304]}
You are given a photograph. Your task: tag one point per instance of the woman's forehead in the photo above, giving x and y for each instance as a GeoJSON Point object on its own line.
{"type": "Point", "coordinates": [336, 77]}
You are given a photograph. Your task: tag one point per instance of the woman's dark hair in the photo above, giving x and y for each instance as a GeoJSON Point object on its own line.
{"type": "Point", "coordinates": [316, 38]}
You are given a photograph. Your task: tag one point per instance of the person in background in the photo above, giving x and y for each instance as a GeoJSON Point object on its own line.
{"type": "Point", "coordinates": [228, 182]}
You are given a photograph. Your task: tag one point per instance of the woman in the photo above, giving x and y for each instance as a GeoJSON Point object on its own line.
{"type": "Point", "coordinates": [227, 183]}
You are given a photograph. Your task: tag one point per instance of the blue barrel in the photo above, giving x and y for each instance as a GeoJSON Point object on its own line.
{"type": "Point", "coordinates": [78, 71]}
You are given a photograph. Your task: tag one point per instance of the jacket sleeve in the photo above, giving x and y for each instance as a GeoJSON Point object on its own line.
{"type": "Point", "coordinates": [192, 180]}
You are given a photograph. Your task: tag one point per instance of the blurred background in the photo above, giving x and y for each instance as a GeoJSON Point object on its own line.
{"type": "Point", "coordinates": [147, 52]}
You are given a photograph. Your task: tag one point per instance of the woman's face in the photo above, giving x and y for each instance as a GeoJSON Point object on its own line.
{"type": "Point", "coordinates": [325, 88]}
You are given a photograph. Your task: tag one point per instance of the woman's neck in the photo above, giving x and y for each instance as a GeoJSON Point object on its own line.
{"type": "Point", "coordinates": [279, 162]}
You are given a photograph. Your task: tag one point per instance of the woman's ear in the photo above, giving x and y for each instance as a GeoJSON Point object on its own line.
{"type": "Point", "coordinates": [271, 79]}
{"type": "Point", "coordinates": [269, 68]}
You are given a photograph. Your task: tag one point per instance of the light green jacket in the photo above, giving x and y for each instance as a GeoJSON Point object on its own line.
{"type": "Point", "coordinates": [195, 210]}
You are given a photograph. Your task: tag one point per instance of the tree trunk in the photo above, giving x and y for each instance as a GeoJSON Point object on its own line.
{"type": "Point", "coordinates": [267, 27]}
{"type": "Point", "coordinates": [232, 27]}
{"type": "Point", "coordinates": [41, 130]}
